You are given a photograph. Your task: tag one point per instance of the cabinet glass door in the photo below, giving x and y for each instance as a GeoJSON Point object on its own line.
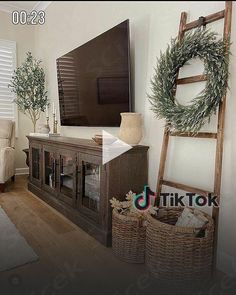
{"type": "Point", "coordinates": [35, 163]}
{"type": "Point", "coordinates": [90, 176]}
{"type": "Point", "coordinates": [67, 174]}
{"type": "Point", "coordinates": [67, 177]}
{"type": "Point", "coordinates": [49, 169]}
{"type": "Point", "coordinates": [91, 186]}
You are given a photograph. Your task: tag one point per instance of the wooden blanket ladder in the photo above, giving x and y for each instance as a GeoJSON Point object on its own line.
{"type": "Point", "coordinates": [225, 14]}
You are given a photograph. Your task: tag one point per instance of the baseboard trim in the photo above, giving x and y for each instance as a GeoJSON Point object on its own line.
{"type": "Point", "coordinates": [21, 171]}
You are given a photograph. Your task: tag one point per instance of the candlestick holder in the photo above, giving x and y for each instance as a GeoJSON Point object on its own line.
{"type": "Point", "coordinates": [54, 131]}
{"type": "Point", "coordinates": [54, 124]}
{"type": "Point", "coordinates": [47, 119]}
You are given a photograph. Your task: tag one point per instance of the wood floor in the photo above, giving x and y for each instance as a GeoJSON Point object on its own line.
{"type": "Point", "coordinates": [70, 261]}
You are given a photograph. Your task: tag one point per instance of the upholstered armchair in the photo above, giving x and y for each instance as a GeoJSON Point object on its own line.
{"type": "Point", "coordinates": [7, 152]}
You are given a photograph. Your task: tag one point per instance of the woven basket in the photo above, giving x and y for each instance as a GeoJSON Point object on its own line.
{"type": "Point", "coordinates": [128, 238]}
{"type": "Point", "coordinates": [175, 253]}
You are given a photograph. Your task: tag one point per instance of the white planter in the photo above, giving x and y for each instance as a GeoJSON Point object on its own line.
{"type": "Point", "coordinates": [44, 129]}
{"type": "Point", "coordinates": [131, 128]}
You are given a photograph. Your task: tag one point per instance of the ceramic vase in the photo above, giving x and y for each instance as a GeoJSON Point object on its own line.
{"type": "Point", "coordinates": [131, 128]}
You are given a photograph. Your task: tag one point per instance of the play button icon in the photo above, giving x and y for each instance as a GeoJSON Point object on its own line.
{"type": "Point", "coordinates": [112, 147]}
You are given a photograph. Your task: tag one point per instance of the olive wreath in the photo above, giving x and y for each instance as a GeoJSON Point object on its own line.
{"type": "Point", "coordinates": [215, 55]}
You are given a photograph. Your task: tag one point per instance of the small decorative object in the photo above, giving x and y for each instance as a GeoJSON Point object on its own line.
{"type": "Point", "coordinates": [192, 218]}
{"type": "Point", "coordinates": [131, 128]}
{"type": "Point", "coordinates": [177, 254]}
{"type": "Point", "coordinates": [98, 139]}
{"type": "Point", "coordinates": [215, 55]}
{"type": "Point", "coordinates": [28, 83]}
{"type": "Point", "coordinates": [106, 138]}
{"type": "Point", "coordinates": [129, 229]}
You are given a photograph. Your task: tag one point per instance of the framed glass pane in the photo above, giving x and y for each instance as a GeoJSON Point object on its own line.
{"type": "Point", "coordinates": [67, 174]}
{"type": "Point", "coordinates": [91, 186]}
{"type": "Point", "coordinates": [49, 169]}
{"type": "Point", "coordinates": [35, 163]}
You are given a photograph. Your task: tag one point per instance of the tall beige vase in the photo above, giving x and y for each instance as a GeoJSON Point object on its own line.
{"type": "Point", "coordinates": [131, 128]}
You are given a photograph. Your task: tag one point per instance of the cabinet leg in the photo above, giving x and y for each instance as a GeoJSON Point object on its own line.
{"type": "Point", "coordinates": [13, 178]}
{"type": "Point", "coordinates": [2, 187]}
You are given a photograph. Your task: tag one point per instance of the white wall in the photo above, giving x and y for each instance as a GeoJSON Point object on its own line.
{"type": "Point", "coordinates": [24, 37]}
{"type": "Point", "coordinates": [70, 24]}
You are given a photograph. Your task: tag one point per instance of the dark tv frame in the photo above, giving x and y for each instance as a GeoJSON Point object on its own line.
{"type": "Point", "coordinates": [131, 102]}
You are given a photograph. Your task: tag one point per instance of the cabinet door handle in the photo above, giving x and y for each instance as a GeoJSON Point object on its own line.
{"type": "Point", "coordinates": [78, 178]}
{"type": "Point", "coordinates": [54, 171]}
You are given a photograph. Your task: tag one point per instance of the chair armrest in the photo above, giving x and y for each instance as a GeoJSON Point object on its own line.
{"type": "Point", "coordinates": [7, 163]}
{"type": "Point", "coordinates": [7, 152]}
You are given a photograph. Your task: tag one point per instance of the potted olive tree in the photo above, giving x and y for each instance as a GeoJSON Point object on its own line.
{"type": "Point", "coordinates": [28, 83]}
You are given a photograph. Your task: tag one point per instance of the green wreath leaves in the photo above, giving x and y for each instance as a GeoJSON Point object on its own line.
{"type": "Point", "coordinates": [215, 55]}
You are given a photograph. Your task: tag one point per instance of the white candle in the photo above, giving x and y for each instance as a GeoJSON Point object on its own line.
{"type": "Point", "coordinates": [53, 108]}
{"type": "Point", "coordinates": [55, 115]}
{"type": "Point", "coordinates": [47, 111]}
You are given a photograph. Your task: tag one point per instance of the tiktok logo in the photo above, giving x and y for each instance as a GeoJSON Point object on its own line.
{"type": "Point", "coordinates": [143, 201]}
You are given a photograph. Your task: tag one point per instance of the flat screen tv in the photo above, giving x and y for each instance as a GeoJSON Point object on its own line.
{"type": "Point", "coordinates": [94, 80]}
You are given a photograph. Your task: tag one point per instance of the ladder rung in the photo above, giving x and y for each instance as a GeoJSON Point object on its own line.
{"type": "Point", "coordinates": [196, 135]}
{"type": "Point", "coordinates": [186, 188]}
{"type": "Point", "coordinates": [209, 19]}
{"type": "Point", "coordinates": [192, 79]}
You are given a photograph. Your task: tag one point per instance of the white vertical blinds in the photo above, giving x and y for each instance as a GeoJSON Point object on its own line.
{"type": "Point", "coordinates": [67, 81]}
{"type": "Point", "coordinates": [7, 67]}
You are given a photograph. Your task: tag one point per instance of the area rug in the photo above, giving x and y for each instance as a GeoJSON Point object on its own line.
{"type": "Point", "coordinates": [14, 250]}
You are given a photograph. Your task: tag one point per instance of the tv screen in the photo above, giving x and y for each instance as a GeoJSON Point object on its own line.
{"type": "Point", "coordinates": [94, 80]}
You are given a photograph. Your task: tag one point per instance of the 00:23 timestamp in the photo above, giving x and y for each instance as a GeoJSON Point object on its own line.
{"type": "Point", "coordinates": [28, 18]}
